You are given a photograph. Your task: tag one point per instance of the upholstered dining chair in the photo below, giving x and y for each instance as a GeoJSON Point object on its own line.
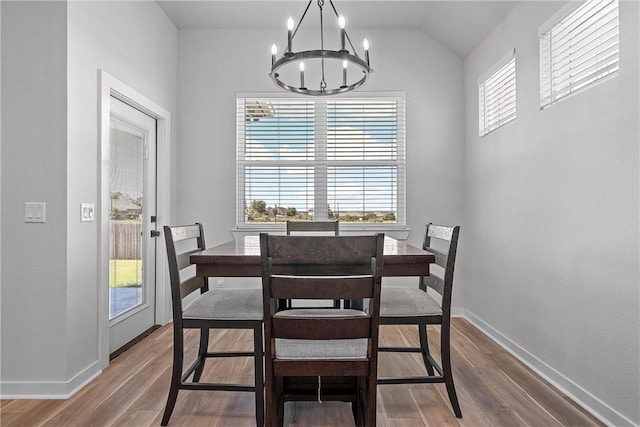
{"type": "Point", "coordinates": [313, 226]}
{"type": "Point", "coordinates": [416, 306]}
{"type": "Point", "coordinates": [321, 354]}
{"type": "Point", "coordinates": [211, 309]}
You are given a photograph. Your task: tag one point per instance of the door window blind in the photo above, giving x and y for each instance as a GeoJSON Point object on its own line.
{"type": "Point", "coordinates": [497, 95]}
{"type": "Point", "coordinates": [577, 48]}
{"type": "Point", "coordinates": [320, 160]}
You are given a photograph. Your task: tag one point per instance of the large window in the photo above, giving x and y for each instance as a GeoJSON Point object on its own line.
{"type": "Point", "coordinates": [578, 46]}
{"type": "Point", "coordinates": [321, 159]}
{"type": "Point", "coordinates": [497, 95]}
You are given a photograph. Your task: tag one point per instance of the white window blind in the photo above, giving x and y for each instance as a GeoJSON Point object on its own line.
{"type": "Point", "coordinates": [577, 48]}
{"type": "Point", "coordinates": [497, 95]}
{"type": "Point", "coordinates": [321, 159]}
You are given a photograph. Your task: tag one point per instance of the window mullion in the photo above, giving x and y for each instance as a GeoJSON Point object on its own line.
{"type": "Point", "coordinates": [320, 203]}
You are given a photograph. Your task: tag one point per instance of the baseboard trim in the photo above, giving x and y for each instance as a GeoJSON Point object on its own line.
{"type": "Point", "coordinates": [575, 392]}
{"type": "Point", "coordinates": [49, 389]}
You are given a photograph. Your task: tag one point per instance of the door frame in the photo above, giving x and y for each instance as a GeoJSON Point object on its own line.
{"type": "Point", "coordinates": [110, 86]}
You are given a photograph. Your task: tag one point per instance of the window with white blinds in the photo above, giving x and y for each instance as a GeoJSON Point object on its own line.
{"type": "Point", "coordinates": [497, 95]}
{"type": "Point", "coordinates": [321, 159]}
{"type": "Point", "coordinates": [578, 47]}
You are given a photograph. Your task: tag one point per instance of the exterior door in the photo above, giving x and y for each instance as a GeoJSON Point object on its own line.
{"type": "Point", "coordinates": [132, 210]}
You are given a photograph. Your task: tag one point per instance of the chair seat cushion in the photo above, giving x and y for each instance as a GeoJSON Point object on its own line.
{"type": "Point", "coordinates": [321, 349]}
{"type": "Point", "coordinates": [226, 304]}
{"type": "Point", "coordinates": [400, 302]}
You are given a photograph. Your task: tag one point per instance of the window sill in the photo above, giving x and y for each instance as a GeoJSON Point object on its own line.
{"type": "Point", "coordinates": [400, 233]}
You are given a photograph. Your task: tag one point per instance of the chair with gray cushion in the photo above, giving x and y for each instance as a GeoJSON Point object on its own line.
{"type": "Point", "coordinates": [321, 354]}
{"type": "Point", "coordinates": [211, 309]}
{"type": "Point", "coordinates": [313, 226]}
{"type": "Point", "coordinates": [316, 228]}
{"type": "Point", "coordinates": [416, 306]}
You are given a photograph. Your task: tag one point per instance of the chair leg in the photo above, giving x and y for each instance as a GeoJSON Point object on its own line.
{"type": "Point", "coordinates": [258, 355]}
{"type": "Point", "coordinates": [269, 397]}
{"type": "Point", "coordinates": [279, 401]}
{"type": "Point", "coordinates": [371, 396]}
{"type": "Point", "coordinates": [424, 346]}
{"type": "Point", "coordinates": [202, 350]}
{"type": "Point", "coordinates": [445, 345]}
{"type": "Point", "coordinates": [176, 374]}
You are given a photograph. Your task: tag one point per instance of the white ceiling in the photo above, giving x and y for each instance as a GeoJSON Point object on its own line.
{"type": "Point", "coordinates": [458, 25]}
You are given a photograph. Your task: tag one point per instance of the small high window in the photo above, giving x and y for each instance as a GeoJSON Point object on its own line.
{"type": "Point", "coordinates": [578, 47]}
{"type": "Point", "coordinates": [497, 95]}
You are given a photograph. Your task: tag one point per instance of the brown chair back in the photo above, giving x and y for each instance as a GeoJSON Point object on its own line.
{"type": "Point", "coordinates": [313, 226]}
{"type": "Point", "coordinates": [321, 267]}
{"type": "Point", "coordinates": [448, 238]}
{"type": "Point", "coordinates": [181, 242]}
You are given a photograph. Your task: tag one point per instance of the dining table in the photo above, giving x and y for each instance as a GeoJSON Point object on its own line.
{"type": "Point", "coordinates": [241, 258]}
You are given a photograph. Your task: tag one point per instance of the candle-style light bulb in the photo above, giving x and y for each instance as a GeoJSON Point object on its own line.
{"type": "Point", "coordinates": [365, 45]}
{"type": "Point", "coordinates": [341, 23]}
{"type": "Point", "coordinates": [274, 52]}
{"type": "Point", "coordinates": [302, 75]}
{"type": "Point", "coordinates": [345, 65]}
{"type": "Point", "coordinates": [289, 33]}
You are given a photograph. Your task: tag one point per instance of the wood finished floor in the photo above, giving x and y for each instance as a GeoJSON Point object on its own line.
{"type": "Point", "coordinates": [494, 389]}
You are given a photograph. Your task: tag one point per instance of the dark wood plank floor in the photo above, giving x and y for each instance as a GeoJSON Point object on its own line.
{"type": "Point", "coordinates": [494, 389]}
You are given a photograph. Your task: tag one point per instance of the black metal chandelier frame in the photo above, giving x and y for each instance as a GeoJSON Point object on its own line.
{"type": "Point", "coordinates": [343, 54]}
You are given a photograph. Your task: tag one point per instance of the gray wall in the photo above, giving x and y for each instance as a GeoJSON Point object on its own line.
{"type": "Point", "coordinates": [34, 161]}
{"type": "Point", "coordinates": [551, 220]}
{"type": "Point", "coordinates": [548, 262]}
{"type": "Point", "coordinates": [51, 54]}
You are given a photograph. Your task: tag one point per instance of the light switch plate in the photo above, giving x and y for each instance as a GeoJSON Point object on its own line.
{"type": "Point", "coordinates": [34, 212]}
{"type": "Point", "coordinates": [87, 211]}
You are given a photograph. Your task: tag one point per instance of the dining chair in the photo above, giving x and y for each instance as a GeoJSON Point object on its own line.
{"type": "Point", "coordinates": [211, 309]}
{"type": "Point", "coordinates": [321, 354]}
{"type": "Point", "coordinates": [315, 228]}
{"type": "Point", "coordinates": [415, 306]}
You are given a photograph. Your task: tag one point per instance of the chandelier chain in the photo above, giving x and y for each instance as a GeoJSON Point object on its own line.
{"type": "Point", "coordinates": [323, 83]}
{"type": "Point", "coordinates": [302, 18]}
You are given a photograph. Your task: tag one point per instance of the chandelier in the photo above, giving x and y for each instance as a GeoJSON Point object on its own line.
{"type": "Point", "coordinates": [343, 68]}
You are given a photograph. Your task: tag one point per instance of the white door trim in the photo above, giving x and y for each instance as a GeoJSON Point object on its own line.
{"type": "Point", "coordinates": [110, 86]}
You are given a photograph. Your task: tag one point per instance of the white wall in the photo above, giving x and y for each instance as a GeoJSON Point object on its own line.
{"type": "Point", "coordinates": [551, 255]}
{"type": "Point", "coordinates": [51, 54]}
{"type": "Point", "coordinates": [215, 64]}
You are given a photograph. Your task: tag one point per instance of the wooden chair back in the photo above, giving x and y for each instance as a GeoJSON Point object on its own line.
{"type": "Point", "coordinates": [313, 226]}
{"type": "Point", "coordinates": [438, 237]}
{"type": "Point", "coordinates": [181, 242]}
{"type": "Point", "coordinates": [322, 267]}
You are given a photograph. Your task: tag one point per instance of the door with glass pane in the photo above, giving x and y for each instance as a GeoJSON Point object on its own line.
{"type": "Point", "coordinates": [132, 178]}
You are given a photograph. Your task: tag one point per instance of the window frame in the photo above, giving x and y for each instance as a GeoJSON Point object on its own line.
{"type": "Point", "coordinates": [321, 144]}
{"type": "Point", "coordinates": [486, 126]}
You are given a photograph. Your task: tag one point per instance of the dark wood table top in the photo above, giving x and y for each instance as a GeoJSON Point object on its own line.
{"type": "Point", "coordinates": [241, 258]}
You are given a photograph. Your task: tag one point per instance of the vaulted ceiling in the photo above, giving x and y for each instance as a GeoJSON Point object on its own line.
{"type": "Point", "coordinates": [458, 25]}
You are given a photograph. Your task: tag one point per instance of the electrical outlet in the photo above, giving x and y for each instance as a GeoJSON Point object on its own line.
{"type": "Point", "coordinates": [220, 282]}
